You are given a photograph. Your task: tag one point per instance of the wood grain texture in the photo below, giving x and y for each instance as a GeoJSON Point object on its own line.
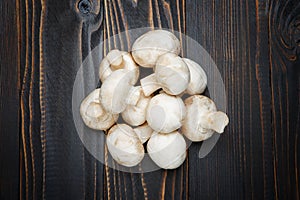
{"type": "Point", "coordinates": [255, 45]}
{"type": "Point", "coordinates": [55, 164]}
{"type": "Point", "coordinates": [9, 101]}
{"type": "Point", "coordinates": [243, 38]}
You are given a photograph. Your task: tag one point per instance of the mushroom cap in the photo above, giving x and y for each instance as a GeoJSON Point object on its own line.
{"type": "Point", "coordinates": [115, 89]}
{"type": "Point", "coordinates": [94, 115]}
{"type": "Point", "coordinates": [124, 145]}
{"type": "Point", "coordinates": [143, 132]}
{"type": "Point", "coordinates": [168, 151]}
{"type": "Point", "coordinates": [148, 47]}
{"type": "Point", "coordinates": [172, 74]}
{"type": "Point", "coordinates": [135, 115]}
{"type": "Point", "coordinates": [114, 57]}
{"type": "Point", "coordinates": [165, 113]}
{"type": "Point", "coordinates": [198, 78]}
{"type": "Point", "coordinates": [104, 69]}
{"type": "Point", "coordinates": [197, 106]}
{"type": "Point", "coordinates": [115, 60]}
{"type": "Point", "coordinates": [149, 84]}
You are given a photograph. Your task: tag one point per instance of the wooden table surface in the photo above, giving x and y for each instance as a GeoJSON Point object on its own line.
{"type": "Point", "coordinates": [255, 44]}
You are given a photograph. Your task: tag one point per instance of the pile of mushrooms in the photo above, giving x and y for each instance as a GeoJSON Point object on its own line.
{"type": "Point", "coordinates": [154, 113]}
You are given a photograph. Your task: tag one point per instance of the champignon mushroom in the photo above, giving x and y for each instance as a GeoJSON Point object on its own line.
{"type": "Point", "coordinates": [124, 145]}
{"type": "Point", "coordinates": [117, 91]}
{"type": "Point", "coordinates": [165, 113]}
{"type": "Point", "coordinates": [198, 78]}
{"type": "Point", "coordinates": [135, 115]}
{"type": "Point", "coordinates": [202, 118]}
{"type": "Point", "coordinates": [171, 74]}
{"type": "Point", "coordinates": [168, 151]}
{"type": "Point", "coordinates": [148, 47]}
{"type": "Point", "coordinates": [93, 114]}
{"type": "Point", "coordinates": [115, 60]}
{"type": "Point", "coordinates": [143, 132]}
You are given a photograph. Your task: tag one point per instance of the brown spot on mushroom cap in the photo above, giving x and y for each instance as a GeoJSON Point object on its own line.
{"type": "Point", "coordinates": [189, 101]}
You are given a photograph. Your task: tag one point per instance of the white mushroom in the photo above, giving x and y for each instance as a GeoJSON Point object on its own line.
{"type": "Point", "coordinates": [165, 113]}
{"type": "Point", "coordinates": [171, 74]}
{"type": "Point", "coordinates": [143, 132]}
{"type": "Point", "coordinates": [93, 114]}
{"type": "Point", "coordinates": [148, 47]}
{"type": "Point", "coordinates": [168, 151]}
{"type": "Point", "coordinates": [135, 115]}
{"type": "Point", "coordinates": [198, 78]}
{"type": "Point", "coordinates": [115, 60]}
{"type": "Point", "coordinates": [117, 91]}
{"type": "Point", "coordinates": [202, 118]}
{"type": "Point", "coordinates": [124, 145]}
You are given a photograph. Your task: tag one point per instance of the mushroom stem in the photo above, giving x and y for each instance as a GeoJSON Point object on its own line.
{"type": "Point", "coordinates": [133, 95]}
{"type": "Point", "coordinates": [149, 85]}
{"type": "Point", "coordinates": [216, 121]}
{"type": "Point", "coordinates": [143, 132]}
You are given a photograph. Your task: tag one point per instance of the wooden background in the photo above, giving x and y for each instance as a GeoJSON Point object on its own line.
{"type": "Point", "coordinates": [255, 44]}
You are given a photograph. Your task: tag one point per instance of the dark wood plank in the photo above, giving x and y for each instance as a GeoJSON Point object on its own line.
{"type": "Point", "coordinates": [256, 47]}
{"type": "Point", "coordinates": [216, 27]}
{"type": "Point", "coordinates": [54, 162]}
{"type": "Point", "coordinates": [9, 101]}
{"type": "Point", "coordinates": [284, 55]}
